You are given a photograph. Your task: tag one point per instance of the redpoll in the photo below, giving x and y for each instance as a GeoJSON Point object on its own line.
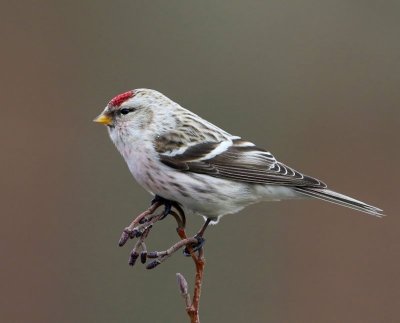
{"type": "Point", "coordinates": [175, 154]}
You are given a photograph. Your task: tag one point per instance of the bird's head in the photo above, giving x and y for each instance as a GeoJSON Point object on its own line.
{"type": "Point", "coordinates": [137, 117]}
{"type": "Point", "coordinates": [134, 109]}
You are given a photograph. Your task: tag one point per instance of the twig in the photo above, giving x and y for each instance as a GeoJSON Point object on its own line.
{"type": "Point", "coordinates": [183, 286]}
{"type": "Point", "coordinates": [199, 261]}
{"type": "Point", "coordinates": [163, 255]}
{"type": "Point", "coordinates": [129, 231]}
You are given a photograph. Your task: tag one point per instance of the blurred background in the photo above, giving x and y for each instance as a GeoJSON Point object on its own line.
{"type": "Point", "coordinates": [316, 83]}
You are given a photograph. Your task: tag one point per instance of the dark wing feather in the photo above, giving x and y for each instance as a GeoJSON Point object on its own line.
{"type": "Point", "coordinates": [241, 161]}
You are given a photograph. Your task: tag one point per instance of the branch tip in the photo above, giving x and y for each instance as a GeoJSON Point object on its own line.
{"type": "Point", "coordinates": [182, 283]}
{"type": "Point", "coordinates": [133, 257]}
{"type": "Point", "coordinates": [153, 264]}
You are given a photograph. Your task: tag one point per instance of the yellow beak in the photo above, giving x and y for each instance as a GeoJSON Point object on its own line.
{"type": "Point", "coordinates": [104, 119]}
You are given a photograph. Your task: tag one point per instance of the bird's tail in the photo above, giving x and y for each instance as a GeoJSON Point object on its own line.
{"type": "Point", "coordinates": [337, 198]}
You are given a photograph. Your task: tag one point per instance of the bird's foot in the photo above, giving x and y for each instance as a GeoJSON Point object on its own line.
{"type": "Point", "coordinates": [167, 205]}
{"type": "Point", "coordinates": [200, 240]}
{"type": "Point", "coordinates": [193, 247]}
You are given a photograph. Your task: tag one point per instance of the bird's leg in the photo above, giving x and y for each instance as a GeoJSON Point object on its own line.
{"type": "Point", "coordinates": [204, 227]}
{"type": "Point", "coordinates": [151, 218]}
{"type": "Point", "coordinates": [199, 238]}
{"type": "Point", "coordinates": [167, 205]}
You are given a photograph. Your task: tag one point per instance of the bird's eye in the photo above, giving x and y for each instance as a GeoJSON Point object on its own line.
{"type": "Point", "coordinates": [125, 111]}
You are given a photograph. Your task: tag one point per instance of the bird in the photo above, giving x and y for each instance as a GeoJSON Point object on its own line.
{"type": "Point", "coordinates": [178, 156]}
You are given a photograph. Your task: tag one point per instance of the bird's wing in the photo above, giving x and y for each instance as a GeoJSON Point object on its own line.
{"type": "Point", "coordinates": [235, 159]}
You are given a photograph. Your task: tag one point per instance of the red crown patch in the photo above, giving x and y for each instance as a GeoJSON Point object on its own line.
{"type": "Point", "coordinates": [121, 98]}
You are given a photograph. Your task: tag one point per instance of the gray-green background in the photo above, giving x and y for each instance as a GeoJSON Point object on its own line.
{"type": "Point", "coordinates": [316, 82]}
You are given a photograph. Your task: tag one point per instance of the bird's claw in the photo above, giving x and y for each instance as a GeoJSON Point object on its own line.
{"type": "Point", "coordinates": [167, 205]}
{"type": "Point", "coordinates": [194, 247]}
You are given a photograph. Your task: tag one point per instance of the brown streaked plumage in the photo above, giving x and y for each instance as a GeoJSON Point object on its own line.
{"type": "Point", "coordinates": [179, 156]}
